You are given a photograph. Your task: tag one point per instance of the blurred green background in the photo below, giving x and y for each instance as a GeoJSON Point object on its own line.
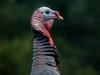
{"type": "Point", "coordinates": [77, 37]}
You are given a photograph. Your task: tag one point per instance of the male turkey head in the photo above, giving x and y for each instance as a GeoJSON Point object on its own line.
{"type": "Point", "coordinates": [42, 21]}
{"type": "Point", "coordinates": [44, 16]}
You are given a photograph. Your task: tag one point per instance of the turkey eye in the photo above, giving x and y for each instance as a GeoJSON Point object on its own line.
{"type": "Point", "coordinates": [47, 12]}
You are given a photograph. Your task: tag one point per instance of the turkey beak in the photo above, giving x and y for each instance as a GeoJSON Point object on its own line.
{"type": "Point", "coordinates": [58, 15]}
{"type": "Point", "coordinates": [61, 18]}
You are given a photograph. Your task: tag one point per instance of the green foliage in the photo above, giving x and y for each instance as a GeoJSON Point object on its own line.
{"type": "Point", "coordinates": [78, 40]}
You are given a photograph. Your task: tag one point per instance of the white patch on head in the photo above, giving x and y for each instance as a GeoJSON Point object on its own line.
{"type": "Point", "coordinates": [42, 9]}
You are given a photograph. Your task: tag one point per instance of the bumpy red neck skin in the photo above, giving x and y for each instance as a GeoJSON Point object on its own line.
{"type": "Point", "coordinates": [42, 26]}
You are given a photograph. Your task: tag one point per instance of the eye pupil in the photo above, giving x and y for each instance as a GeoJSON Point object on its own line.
{"type": "Point", "coordinates": [47, 12]}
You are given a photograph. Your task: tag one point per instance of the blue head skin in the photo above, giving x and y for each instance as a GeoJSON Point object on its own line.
{"type": "Point", "coordinates": [47, 13]}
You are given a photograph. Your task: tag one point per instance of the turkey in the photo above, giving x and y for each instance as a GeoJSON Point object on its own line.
{"type": "Point", "coordinates": [45, 57]}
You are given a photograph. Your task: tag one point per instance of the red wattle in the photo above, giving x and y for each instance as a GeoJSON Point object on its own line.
{"type": "Point", "coordinates": [47, 26]}
{"type": "Point", "coordinates": [51, 42]}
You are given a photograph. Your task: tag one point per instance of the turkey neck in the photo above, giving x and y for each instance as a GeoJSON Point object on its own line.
{"type": "Point", "coordinates": [44, 55]}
